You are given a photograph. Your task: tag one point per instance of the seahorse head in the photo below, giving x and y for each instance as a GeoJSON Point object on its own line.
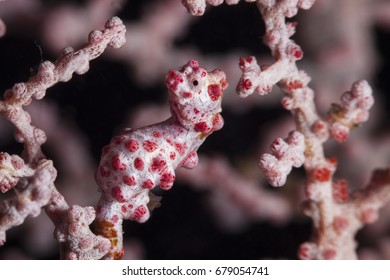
{"type": "Point", "coordinates": [196, 95]}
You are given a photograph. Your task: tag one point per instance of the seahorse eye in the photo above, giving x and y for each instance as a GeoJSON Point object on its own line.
{"type": "Point", "coordinates": [195, 82]}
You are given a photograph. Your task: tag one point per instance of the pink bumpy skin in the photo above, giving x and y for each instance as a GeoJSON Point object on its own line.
{"type": "Point", "coordinates": [139, 160]}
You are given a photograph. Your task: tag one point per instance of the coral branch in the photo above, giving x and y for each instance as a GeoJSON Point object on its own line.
{"type": "Point", "coordinates": [78, 240]}
{"type": "Point", "coordinates": [285, 155]}
{"type": "Point", "coordinates": [336, 219]}
{"type": "Point", "coordinates": [33, 176]}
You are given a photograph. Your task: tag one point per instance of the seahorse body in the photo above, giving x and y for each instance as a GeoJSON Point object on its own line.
{"type": "Point", "coordinates": [138, 160]}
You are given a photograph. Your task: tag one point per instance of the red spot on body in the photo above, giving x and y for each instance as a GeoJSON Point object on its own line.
{"type": "Point", "coordinates": [118, 139]}
{"type": "Point", "coordinates": [167, 180]}
{"type": "Point", "coordinates": [180, 148]}
{"type": "Point", "coordinates": [17, 163]}
{"type": "Point", "coordinates": [217, 119]}
{"type": "Point", "coordinates": [105, 150]}
{"type": "Point", "coordinates": [139, 164]}
{"type": "Point", "coordinates": [156, 134]}
{"type": "Point", "coordinates": [307, 251]}
{"type": "Point", "coordinates": [172, 155]}
{"type": "Point", "coordinates": [129, 180]}
{"type": "Point", "coordinates": [214, 92]}
{"type": "Point", "coordinates": [298, 54]}
{"type": "Point", "coordinates": [329, 254]}
{"type": "Point", "coordinates": [196, 111]}
{"type": "Point", "coordinates": [115, 219]}
{"type": "Point", "coordinates": [124, 209]}
{"type": "Point", "coordinates": [247, 84]}
{"type": "Point", "coordinates": [117, 165]}
{"type": "Point", "coordinates": [104, 172]}
{"type": "Point", "coordinates": [173, 79]}
{"type": "Point", "coordinates": [244, 60]}
{"type": "Point", "coordinates": [322, 174]}
{"type": "Point", "coordinates": [340, 191]}
{"type": "Point", "coordinates": [169, 141]}
{"type": "Point", "coordinates": [369, 216]}
{"type": "Point", "coordinates": [194, 64]}
{"type": "Point", "coordinates": [116, 193]}
{"type": "Point", "coordinates": [132, 145]}
{"type": "Point", "coordinates": [139, 212]}
{"type": "Point", "coordinates": [294, 85]}
{"type": "Point", "coordinates": [332, 160]}
{"type": "Point", "coordinates": [158, 165]}
{"type": "Point", "coordinates": [187, 94]}
{"type": "Point", "coordinates": [149, 146]}
{"type": "Point", "coordinates": [340, 223]}
{"type": "Point", "coordinates": [201, 127]}
{"type": "Point", "coordinates": [203, 74]}
{"type": "Point", "coordinates": [340, 136]}
{"type": "Point", "coordinates": [148, 184]}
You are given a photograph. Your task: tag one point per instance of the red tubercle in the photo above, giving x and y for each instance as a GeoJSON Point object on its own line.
{"type": "Point", "coordinates": [116, 163]}
{"type": "Point", "coordinates": [201, 127]}
{"type": "Point", "coordinates": [332, 160]}
{"type": "Point", "coordinates": [196, 111]}
{"type": "Point", "coordinates": [214, 92]}
{"type": "Point", "coordinates": [17, 163]}
{"type": "Point", "coordinates": [186, 94]}
{"type": "Point", "coordinates": [167, 180]}
{"type": "Point", "coordinates": [340, 223]}
{"type": "Point", "coordinates": [339, 132]}
{"type": "Point", "coordinates": [132, 145]}
{"type": "Point", "coordinates": [173, 79]}
{"type": "Point", "coordinates": [194, 64]}
{"type": "Point", "coordinates": [139, 164]}
{"type": "Point", "coordinates": [105, 150]}
{"type": "Point", "coordinates": [129, 180]}
{"type": "Point", "coordinates": [139, 212]}
{"type": "Point", "coordinates": [180, 148]}
{"type": "Point", "coordinates": [340, 191]}
{"type": "Point", "coordinates": [123, 209]}
{"type": "Point", "coordinates": [169, 141]}
{"type": "Point", "coordinates": [116, 193]}
{"type": "Point", "coordinates": [296, 84]}
{"type": "Point", "coordinates": [115, 219]}
{"type": "Point", "coordinates": [6, 186]}
{"type": "Point", "coordinates": [322, 174]}
{"type": "Point", "coordinates": [247, 84]}
{"type": "Point", "coordinates": [217, 120]}
{"type": "Point", "coordinates": [118, 139]}
{"type": "Point", "coordinates": [307, 251]}
{"type": "Point", "coordinates": [148, 184]}
{"type": "Point", "coordinates": [157, 134]}
{"type": "Point", "coordinates": [329, 254]}
{"type": "Point", "coordinates": [244, 60]}
{"type": "Point", "coordinates": [104, 171]}
{"type": "Point", "coordinates": [298, 54]}
{"type": "Point", "coordinates": [172, 155]}
{"type": "Point", "coordinates": [149, 146]}
{"type": "Point", "coordinates": [369, 215]}
{"type": "Point", "coordinates": [158, 165]}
